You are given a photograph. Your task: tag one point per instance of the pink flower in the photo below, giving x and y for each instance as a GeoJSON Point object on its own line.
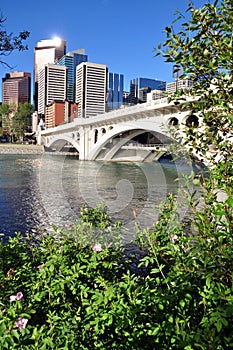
{"type": "Point", "coordinates": [97, 248]}
{"type": "Point", "coordinates": [173, 238]}
{"type": "Point", "coordinates": [18, 296]}
{"type": "Point", "coordinates": [21, 323]}
{"type": "Point", "coordinates": [40, 267]}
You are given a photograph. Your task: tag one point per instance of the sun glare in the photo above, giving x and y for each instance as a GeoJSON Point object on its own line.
{"type": "Point", "coordinates": [57, 41]}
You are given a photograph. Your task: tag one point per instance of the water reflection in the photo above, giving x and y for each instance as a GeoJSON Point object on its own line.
{"type": "Point", "coordinates": [48, 189]}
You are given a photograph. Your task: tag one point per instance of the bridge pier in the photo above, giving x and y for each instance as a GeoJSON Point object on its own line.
{"type": "Point", "coordinates": [82, 142]}
{"type": "Point", "coordinates": [86, 141]}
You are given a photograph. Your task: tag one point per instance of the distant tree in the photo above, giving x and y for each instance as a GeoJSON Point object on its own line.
{"type": "Point", "coordinates": [10, 42]}
{"type": "Point", "coordinates": [22, 118]}
{"type": "Point", "coordinates": [6, 115]}
{"type": "Point", "coordinates": [15, 121]}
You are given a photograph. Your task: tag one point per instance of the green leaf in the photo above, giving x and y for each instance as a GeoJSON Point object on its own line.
{"type": "Point", "coordinates": [229, 201]}
{"type": "Point", "coordinates": [208, 281]}
{"type": "Point", "coordinates": [196, 182]}
{"type": "Point", "coordinates": [170, 319]}
{"type": "Point", "coordinates": [182, 303]}
{"type": "Point", "coordinates": [161, 307]}
{"type": "Point", "coordinates": [219, 325]}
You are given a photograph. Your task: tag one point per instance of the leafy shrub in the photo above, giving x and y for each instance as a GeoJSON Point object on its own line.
{"type": "Point", "coordinates": [60, 292]}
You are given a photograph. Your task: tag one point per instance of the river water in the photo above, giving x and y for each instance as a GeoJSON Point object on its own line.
{"type": "Point", "coordinates": [44, 190]}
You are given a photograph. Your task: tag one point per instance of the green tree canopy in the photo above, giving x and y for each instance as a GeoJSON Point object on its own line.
{"type": "Point", "coordinates": [16, 121]}
{"type": "Point", "coordinates": [6, 113]}
{"type": "Point", "coordinates": [22, 118]}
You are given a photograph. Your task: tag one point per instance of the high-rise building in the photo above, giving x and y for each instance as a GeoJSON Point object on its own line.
{"type": "Point", "coordinates": [115, 90]}
{"type": "Point", "coordinates": [71, 60]}
{"type": "Point", "coordinates": [16, 88]}
{"type": "Point", "coordinates": [51, 85]}
{"type": "Point", "coordinates": [46, 51]}
{"type": "Point", "coordinates": [139, 87]}
{"type": "Point", "coordinates": [179, 84]}
{"type": "Point", "coordinates": [91, 88]}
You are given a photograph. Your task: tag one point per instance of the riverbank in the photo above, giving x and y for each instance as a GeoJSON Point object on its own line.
{"type": "Point", "coordinates": [18, 148]}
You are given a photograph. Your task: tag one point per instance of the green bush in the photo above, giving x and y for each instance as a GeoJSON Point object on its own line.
{"type": "Point", "coordinates": [75, 291]}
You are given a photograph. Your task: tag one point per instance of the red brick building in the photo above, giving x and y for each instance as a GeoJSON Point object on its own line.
{"type": "Point", "coordinates": [60, 112]}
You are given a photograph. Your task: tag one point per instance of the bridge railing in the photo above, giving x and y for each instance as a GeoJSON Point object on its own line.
{"type": "Point", "coordinates": [159, 101]}
{"type": "Point", "coordinates": [124, 110]}
{"type": "Point", "coordinates": [155, 146]}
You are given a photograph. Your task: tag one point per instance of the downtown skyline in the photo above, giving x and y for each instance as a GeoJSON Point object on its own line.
{"type": "Point", "coordinates": [120, 35]}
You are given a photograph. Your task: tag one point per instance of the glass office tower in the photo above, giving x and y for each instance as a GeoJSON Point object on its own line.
{"type": "Point", "coordinates": [71, 60]}
{"type": "Point", "coordinates": [115, 91]}
{"type": "Point", "coordinates": [139, 87]}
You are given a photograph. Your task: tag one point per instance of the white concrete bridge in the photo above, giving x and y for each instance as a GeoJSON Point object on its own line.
{"type": "Point", "coordinates": [136, 133]}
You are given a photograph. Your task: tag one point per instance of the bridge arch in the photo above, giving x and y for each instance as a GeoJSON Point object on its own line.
{"type": "Point", "coordinates": [122, 134]}
{"type": "Point", "coordinates": [173, 121]}
{"type": "Point", "coordinates": [57, 142]}
{"type": "Point", "coordinates": [192, 120]}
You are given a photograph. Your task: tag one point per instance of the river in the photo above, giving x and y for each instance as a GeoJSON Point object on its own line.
{"type": "Point", "coordinates": [44, 190]}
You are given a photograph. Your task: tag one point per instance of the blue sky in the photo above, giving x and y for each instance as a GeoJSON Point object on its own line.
{"type": "Point", "coordinates": [121, 34]}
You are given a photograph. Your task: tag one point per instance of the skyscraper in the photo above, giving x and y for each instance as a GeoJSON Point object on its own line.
{"type": "Point", "coordinates": [140, 86]}
{"type": "Point", "coordinates": [91, 88]}
{"type": "Point", "coordinates": [16, 88]}
{"type": "Point", "coordinates": [71, 60]}
{"type": "Point", "coordinates": [115, 90]}
{"type": "Point", "coordinates": [51, 85]}
{"type": "Point", "coordinates": [46, 51]}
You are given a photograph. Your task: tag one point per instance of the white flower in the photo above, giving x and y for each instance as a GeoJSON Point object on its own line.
{"type": "Point", "coordinates": [97, 248]}
{"type": "Point", "coordinates": [173, 238]}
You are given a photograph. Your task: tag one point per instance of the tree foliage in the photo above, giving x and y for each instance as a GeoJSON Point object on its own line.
{"type": "Point", "coordinates": [203, 47]}
{"type": "Point", "coordinates": [6, 112]}
{"type": "Point", "coordinates": [23, 118]}
{"type": "Point", "coordinates": [16, 120]}
{"type": "Point", "coordinates": [10, 42]}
